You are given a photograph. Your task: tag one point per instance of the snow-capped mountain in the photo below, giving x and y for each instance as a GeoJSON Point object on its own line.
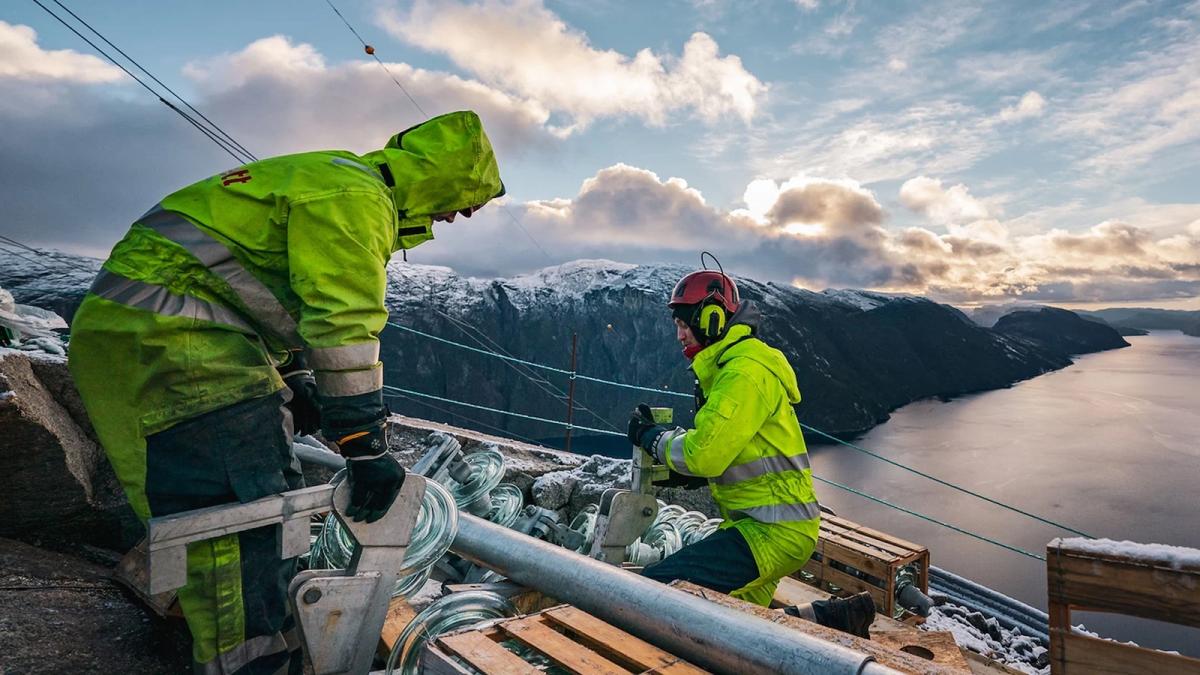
{"type": "Point", "coordinates": [857, 354]}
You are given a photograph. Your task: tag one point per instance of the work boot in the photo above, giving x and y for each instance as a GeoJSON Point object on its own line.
{"type": "Point", "coordinates": [850, 615]}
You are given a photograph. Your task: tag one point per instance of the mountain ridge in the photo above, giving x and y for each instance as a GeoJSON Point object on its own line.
{"type": "Point", "coordinates": [858, 354]}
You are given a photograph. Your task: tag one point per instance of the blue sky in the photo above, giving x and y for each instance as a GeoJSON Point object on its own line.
{"type": "Point", "coordinates": [973, 152]}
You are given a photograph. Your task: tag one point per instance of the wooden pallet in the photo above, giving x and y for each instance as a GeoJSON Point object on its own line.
{"type": "Point", "coordinates": [872, 558]}
{"type": "Point", "coordinates": [1164, 589]}
{"type": "Point", "coordinates": [564, 636]}
{"type": "Point", "coordinates": [945, 661]}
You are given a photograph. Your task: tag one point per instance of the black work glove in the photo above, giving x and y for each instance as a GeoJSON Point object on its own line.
{"type": "Point", "coordinates": [375, 477]}
{"type": "Point", "coordinates": [643, 429]}
{"type": "Point", "coordinates": [306, 413]}
{"type": "Point", "coordinates": [680, 480]}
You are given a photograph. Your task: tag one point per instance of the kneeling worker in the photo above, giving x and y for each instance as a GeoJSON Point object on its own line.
{"type": "Point", "coordinates": [176, 346]}
{"type": "Point", "coordinates": [748, 445]}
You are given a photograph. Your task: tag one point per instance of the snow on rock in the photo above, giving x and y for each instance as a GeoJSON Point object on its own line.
{"type": "Point", "coordinates": [29, 328]}
{"type": "Point", "coordinates": [984, 635]}
{"type": "Point", "coordinates": [1175, 557]}
{"type": "Point", "coordinates": [583, 485]}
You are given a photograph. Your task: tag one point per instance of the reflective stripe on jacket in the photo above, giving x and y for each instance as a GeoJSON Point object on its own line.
{"type": "Point", "coordinates": [215, 284]}
{"type": "Point", "coordinates": [747, 442]}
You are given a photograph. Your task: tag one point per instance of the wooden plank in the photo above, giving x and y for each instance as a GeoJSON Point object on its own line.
{"type": "Point", "coordinates": [937, 646]}
{"type": "Point", "coordinates": [1059, 624]}
{"type": "Point", "coordinates": [1164, 561]}
{"type": "Point", "coordinates": [890, 539]}
{"type": "Point", "coordinates": [399, 614]}
{"type": "Point", "coordinates": [485, 655]}
{"type": "Point", "coordinates": [526, 600]}
{"type": "Point", "coordinates": [877, 547]}
{"type": "Point", "coordinates": [982, 665]}
{"type": "Point", "coordinates": [133, 573]}
{"type": "Point", "coordinates": [615, 643]}
{"type": "Point", "coordinates": [856, 585]}
{"type": "Point", "coordinates": [859, 558]}
{"type": "Point", "coordinates": [898, 660]}
{"type": "Point", "coordinates": [876, 538]}
{"type": "Point", "coordinates": [568, 653]}
{"type": "Point", "coordinates": [1086, 654]}
{"type": "Point", "coordinates": [434, 662]}
{"type": "Point", "coordinates": [1127, 587]}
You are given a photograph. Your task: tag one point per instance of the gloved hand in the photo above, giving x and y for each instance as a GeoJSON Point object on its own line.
{"type": "Point", "coordinates": [306, 413]}
{"type": "Point", "coordinates": [375, 478]}
{"type": "Point", "coordinates": [643, 429]}
{"type": "Point", "coordinates": [680, 480]}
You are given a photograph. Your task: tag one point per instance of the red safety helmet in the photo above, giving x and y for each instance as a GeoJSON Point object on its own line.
{"type": "Point", "coordinates": [705, 287]}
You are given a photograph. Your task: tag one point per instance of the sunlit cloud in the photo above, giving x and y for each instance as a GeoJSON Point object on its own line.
{"type": "Point", "coordinates": [525, 49]}
{"type": "Point", "coordinates": [22, 58]}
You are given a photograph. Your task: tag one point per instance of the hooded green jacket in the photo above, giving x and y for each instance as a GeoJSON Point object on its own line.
{"type": "Point", "coordinates": [747, 442]}
{"type": "Point", "coordinates": [213, 288]}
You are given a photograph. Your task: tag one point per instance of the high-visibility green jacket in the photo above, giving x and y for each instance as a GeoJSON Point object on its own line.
{"type": "Point", "coordinates": [747, 442]}
{"type": "Point", "coordinates": [213, 287]}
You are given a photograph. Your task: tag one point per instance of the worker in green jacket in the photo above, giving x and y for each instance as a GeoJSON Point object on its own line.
{"type": "Point", "coordinates": [246, 307]}
{"type": "Point", "coordinates": [748, 446]}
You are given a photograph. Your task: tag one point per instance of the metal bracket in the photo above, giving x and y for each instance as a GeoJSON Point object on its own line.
{"type": "Point", "coordinates": [168, 536]}
{"type": "Point", "coordinates": [340, 613]}
{"type": "Point", "coordinates": [622, 518]}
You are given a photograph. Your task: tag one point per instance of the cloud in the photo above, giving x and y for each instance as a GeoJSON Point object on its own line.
{"type": "Point", "coordinates": [821, 232]}
{"type": "Point", "coordinates": [275, 96]}
{"type": "Point", "coordinates": [943, 206]}
{"type": "Point", "coordinates": [21, 58]}
{"type": "Point", "coordinates": [288, 98]}
{"type": "Point", "coordinates": [1031, 105]}
{"type": "Point", "coordinates": [804, 204]}
{"type": "Point", "coordinates": [525, 49]}
{"type": "Point", "coordinates": [1146, 108]}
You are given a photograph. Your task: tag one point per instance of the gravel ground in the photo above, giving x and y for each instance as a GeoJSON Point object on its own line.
{"type": "Point", "coordinates": [63, 614]}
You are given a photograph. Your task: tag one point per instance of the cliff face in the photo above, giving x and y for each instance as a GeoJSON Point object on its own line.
{"type": "Point", "coordinates": [857, 355]}
{"type": "Point", "coordinates": [1060, 330]}
{"type": "Point", "coordinates": [1145, 318]}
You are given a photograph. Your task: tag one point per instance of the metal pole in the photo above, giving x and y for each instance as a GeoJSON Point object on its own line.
{"type": "Point", "coordinates": [571, 389]}
{"type": "Point", "coordinates": [709, 635]}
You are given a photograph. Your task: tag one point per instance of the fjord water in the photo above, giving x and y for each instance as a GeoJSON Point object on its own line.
{"type": "Point", "coordinates": [1109, 446]}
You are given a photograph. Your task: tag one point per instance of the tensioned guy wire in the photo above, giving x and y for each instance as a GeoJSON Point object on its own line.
{"type": "Point", "coordinates": [226, 136]}
{"type": "Point", "coordinates": [212, 135]}
{"type": "Point", "coordinates": [398, 390]}
{"type": "Point", "coordinates": [831, 437]}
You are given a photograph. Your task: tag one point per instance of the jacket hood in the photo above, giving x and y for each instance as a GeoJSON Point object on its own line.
{"type": "Point", "coordinates": [442, 165]}
{"type": "Point", "coordinates": [738, 344]}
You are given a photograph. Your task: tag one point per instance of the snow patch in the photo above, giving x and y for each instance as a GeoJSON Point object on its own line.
{"type": "Point", "coordinates": [1175, 557]}
{"type": "Point", "coordinates": [984, 635]}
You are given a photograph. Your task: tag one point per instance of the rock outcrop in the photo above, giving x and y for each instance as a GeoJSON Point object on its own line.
{"type": "Point", "coordinates": [58, 483]}
{"type": "Point", "coordinates": [1060, 330]}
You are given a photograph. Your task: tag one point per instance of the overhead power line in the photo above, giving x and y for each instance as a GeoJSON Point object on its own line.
{"type": "Point", "coordinates": [211, 130]}
{"type": "Point", "coordinates": [371, 51]}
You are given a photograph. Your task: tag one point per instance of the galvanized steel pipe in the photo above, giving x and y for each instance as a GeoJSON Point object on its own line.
{"type": "Point", "coordinates": [709, 635]}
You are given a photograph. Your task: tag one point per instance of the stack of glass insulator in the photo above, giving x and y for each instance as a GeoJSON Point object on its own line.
{"type": "Point", "coordinates": [449, 613]}
{"type": "Point", "coordinates": [436, 526]}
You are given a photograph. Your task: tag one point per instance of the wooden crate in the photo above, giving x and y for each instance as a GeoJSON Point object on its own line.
{"type": "Point", "coordinates": [946, 658]}
{"type": "Point", "coordinates": [857, 558]}
{"type": "Point", "coordinates": [1152, 585]}
{"type": "Point", "coordinates": [563, 635]}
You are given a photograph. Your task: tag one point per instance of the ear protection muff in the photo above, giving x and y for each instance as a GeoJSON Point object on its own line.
{"type": "Point", "coordinates": [712, 321]}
